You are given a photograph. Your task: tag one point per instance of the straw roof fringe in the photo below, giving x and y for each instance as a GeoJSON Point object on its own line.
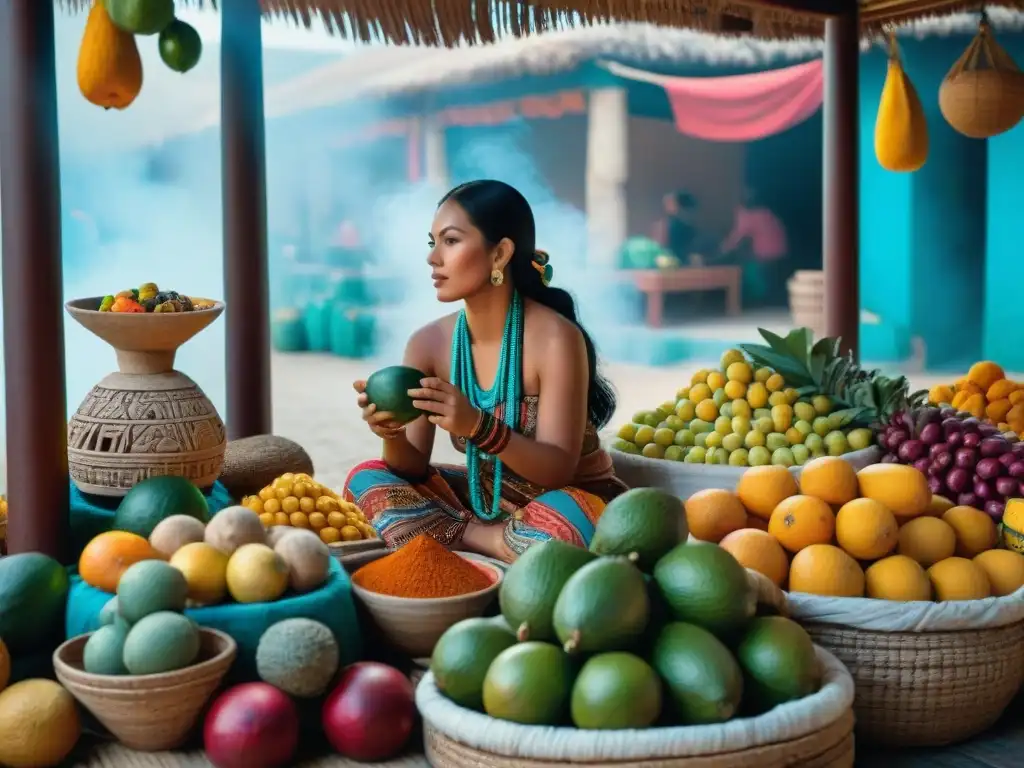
{"type": "Point", "coordinates": [450, 22]}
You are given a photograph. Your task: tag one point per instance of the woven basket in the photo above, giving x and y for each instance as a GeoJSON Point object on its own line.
{"type": "Point", "coordinates": [807, 300]}
{"type": "Point", "coordinates": [816, 731]}
{"type": "Point", "coordinates": [150, 713]}
{"type": "Point", "coordinates": [927, 688]}
{"type": "Point", "coordinates": [253, 462]}
{"type": "Point", "coordinates": [983, 93]}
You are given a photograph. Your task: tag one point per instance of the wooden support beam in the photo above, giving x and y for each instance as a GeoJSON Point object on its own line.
{"type": "Point", "coordinates": [246, 280]}
{"type": "Point", "coordinates": [822, 8]}
{"type": "Point", "coordinates": [841, 175]}
{"type": "Point", "coordinates": [37, 456]}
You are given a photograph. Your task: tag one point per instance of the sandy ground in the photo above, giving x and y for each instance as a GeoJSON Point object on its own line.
{"type": "Point", "coordinates": [314, 404]}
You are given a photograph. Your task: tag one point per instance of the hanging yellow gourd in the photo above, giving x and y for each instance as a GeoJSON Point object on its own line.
{"type": "Point", "coordinates": [109, 67]}
{"type": "Point", "coordinates": [901, 131]}
{"type": "Point", "coordinates": [983, 94]}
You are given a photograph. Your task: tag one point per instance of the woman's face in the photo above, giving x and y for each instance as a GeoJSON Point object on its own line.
{"type": "Point", "coordinates": [460, 259]}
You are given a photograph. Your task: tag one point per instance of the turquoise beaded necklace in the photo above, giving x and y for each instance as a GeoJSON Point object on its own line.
{"type": "Point", "coordinates": [507, 390]}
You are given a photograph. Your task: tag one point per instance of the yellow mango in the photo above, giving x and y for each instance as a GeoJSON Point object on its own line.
{"type": "Point", "coordinates": [996, 410]}
{"type": "Point", "coordinates": [109, 67]}
{"type": "Point", "coordinates": [959, 399]}
{"type": "Point", "coordinates": [984, 374]}
{"type": "Point", "coordinates": [1016, 396]}
{"type": "Point", "coordinates": [901, 131]}
{"type": "Point", "coordinates": [975, 405]}
{"type": "Point", "coordinates": [1000, 389]}
{"type": "Point", "coordinates": [940, 393]}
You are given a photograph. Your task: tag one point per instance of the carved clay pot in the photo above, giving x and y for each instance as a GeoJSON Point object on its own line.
{"type": "Point", "coordinates": [147, 419]}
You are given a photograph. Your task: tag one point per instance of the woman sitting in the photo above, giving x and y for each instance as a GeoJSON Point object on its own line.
{"type": "Point", "coordinates": [512, 378]}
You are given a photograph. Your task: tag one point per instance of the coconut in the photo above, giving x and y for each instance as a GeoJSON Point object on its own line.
{"type": "Point", "coordinates": [308, 558]}
{"type": "Point", "coordinates": [234, 527]}
{"type": "Point", "coordinates": [174, 532]}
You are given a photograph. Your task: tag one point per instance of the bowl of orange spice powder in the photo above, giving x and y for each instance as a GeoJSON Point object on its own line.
{"type": "Point", "coordinates": [418, 591]}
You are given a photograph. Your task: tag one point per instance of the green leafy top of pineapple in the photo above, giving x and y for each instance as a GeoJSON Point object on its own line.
{"type": "Point", "coordinates": [817, 367]}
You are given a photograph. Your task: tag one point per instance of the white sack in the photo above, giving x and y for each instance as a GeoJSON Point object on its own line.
{"type": "Point", "coordinates": [917, 616]}
{"type": "Point", "coordinates": [784, 723]}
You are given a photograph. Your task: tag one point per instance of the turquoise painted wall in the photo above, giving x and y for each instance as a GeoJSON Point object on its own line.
{"type": "Point", "coordinates": [1004, 258]}
{"type": "Point", "coordinates": [923, 234]}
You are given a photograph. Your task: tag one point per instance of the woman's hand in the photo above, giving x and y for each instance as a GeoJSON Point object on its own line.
{"type": "Point", "coordinates": [382, 425]}
{"type": "Point", "coordinates": [448, 407]}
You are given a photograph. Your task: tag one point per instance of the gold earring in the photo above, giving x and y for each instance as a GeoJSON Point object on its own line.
{"type": "Point", "coordinates": [497, 277]}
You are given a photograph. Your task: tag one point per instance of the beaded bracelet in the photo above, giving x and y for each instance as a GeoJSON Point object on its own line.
{"type": "Point", "coordinates": [490, 435]}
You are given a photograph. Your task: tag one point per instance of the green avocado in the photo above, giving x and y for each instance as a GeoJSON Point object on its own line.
{"type": "Point", "coordinates": [532, 584]}
{"type": "Point", "coordinates": [645, 521]}
{"type": "Point", "coordinates": [705, 585]}
{"type": "Point", "coordinates": [529, 683]}
{"type": "Point", "coordinates": [614, 691]}
{"type": "Point", "coordinates": [388, 389]}
{"type": "Point", "coordinates": [778, 662]}
{"type": "Point", "coordinates": [463, 655]}
{"type": "Point", "coordinates": [602, 607]}
{"type": "Point", "coordinates": [180, 46]}
{"type": "Point", "coordinates": [704, 682]}
{"type": "Point", "coordinates": [140, 17]}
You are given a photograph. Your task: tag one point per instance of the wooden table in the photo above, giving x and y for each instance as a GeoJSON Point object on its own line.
{"type": "Point", "coordinates": [655, 283]}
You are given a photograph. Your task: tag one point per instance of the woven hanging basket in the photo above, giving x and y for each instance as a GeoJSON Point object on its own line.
{"type": "Point", "coordinates": [983, 94]}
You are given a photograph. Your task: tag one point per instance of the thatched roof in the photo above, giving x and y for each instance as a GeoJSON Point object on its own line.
{"type": "Point", "coordinates": [447, 22]}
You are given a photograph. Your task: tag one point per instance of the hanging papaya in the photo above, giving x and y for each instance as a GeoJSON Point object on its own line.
{"type": "Point", "coordinates": [109, 66]}
{"type": "Point", "coordinates": [901, 131]}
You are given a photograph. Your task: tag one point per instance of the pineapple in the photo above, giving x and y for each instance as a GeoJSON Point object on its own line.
{"type": "Point", "coordinates": [866, 398]}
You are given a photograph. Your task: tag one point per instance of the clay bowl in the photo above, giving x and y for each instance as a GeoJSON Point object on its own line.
{"type": "Point", "coordinates": [414, 625]}
{"type": "Point", "coordinates": [150, 332]}
{"type": "Point", "coordinates": [150, 713]}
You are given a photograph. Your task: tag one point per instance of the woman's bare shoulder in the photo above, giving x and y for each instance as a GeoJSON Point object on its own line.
{"type": "Point", "coordinates": [433, 336]}
{"type": "Point", "coordinates": [545, 323]}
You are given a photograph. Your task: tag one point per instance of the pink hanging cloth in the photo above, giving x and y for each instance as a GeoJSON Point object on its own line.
{"type": "Point", "coordinates": [744, 107]}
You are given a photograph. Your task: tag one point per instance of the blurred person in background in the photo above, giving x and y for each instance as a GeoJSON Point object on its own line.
{"type": "Point", "coordinates": [675, 231]}
{"type": "Point", "coordinates": [759, 245]}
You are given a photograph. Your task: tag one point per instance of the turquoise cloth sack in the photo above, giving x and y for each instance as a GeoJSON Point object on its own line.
{"type": "Point", "coordinates": [288, 331]}
{"type": "Point", "coordinates": [317, 318]}
{"type": "Point", "coordinates": [93, 515]}
{"type": "Point", "coordinates": [332, 605]}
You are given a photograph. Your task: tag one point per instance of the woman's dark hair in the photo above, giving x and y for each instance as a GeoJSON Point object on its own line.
{"type": "Point", "coordinates": [499, 210]}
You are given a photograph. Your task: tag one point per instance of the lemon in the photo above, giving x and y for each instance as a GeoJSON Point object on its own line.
{"type": "Point", "coordinates": [738, 458]}
{"type": "Point", "coordinates": [804, 411]}
{"type": "Point", "coordinates": [706, 410]}
{"type": "Point", "coordinates": [653, 451]}
{"type": "Point", "coordinates": [782, 417]}
{"type": "Point", "coordinates": [740, 425]}
{"type": "Point", "coordinates": [791, 395]}
{"type": "Point", "coordinates": [723, 425]}
{"type": "Point", "coordinates": [794, 436]}
{"type": "Point", "coordinates": [729, 357]}
{"type": "Point", "coordinates": [757, 395]}
{"type": "Point", "coordinates": [758, 456]}
{"type": "Point", "coordinates": [699, 377]}
{"type": "Point", "coordinates": [742, 408]}
{"type": "Point", "coordinates": [778, 398]}
{"type": "Point", "coordinates": [734, 390]}
{"type": "Point", "coordinates": [719, 397]}
{"type": "Point", "coordinates": [256, 574]}
{"type": "Point", "coordinates": [765, 424]}
{"type": "Point", "coordinates": [740, 372]}
{"type": "Point", "coordinates": [713, 440]}
{"type": "Point", "coordinates": [754, 438]}
{"type": "Point", "coordinates": [775, 382]}
{"type": "Point", "coordinates": [684, 438]}
{"type": "Point", "coordinates": [205, 570]}
{"type": "Point", "coordinates": [664, 437]}
{"type": "Point", "coordinates": [783, 457]}
{"type": "Point", "coordinates": [763, 374]}
{"type": "Point", "coordinates": [686, 409]}
{"type": "Point", "coordinates": [859, 439]}
{"type": "Point", "coordinates": [700, 392]}
{"type": "Point", "coordinates": [822, 404]}
{"type": "Point", "coordinates": [641, 437]}
{"type": "Point", "coordinates": [715, 380]}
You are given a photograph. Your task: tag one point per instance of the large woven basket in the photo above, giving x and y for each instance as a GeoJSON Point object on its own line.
{"type": "Point", "coordinates": [814, 732]}
{"type": "Point", "coordinates": [807, 299]}
{"type": "Point", "coordinates": [927, 674]}
{"type": "Point", "coordinates": [150, 713]}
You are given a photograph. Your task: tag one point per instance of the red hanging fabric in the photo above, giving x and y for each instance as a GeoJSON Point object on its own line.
{"type": "Point", "coordinates": [744, 107]}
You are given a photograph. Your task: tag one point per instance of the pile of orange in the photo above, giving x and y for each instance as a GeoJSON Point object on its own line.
{"type": "Point", "coordinates": [878, 533]}
{"type": "Point", "coordinates": [296, 499]}
{"type": "Point", "coordinates": [985, 393]}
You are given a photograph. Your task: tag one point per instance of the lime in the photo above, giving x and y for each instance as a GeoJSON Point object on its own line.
{"type": "Point", "coordinates": [684, 438]}
{"type": "Point", "coordinates": [713, 439]}
{"type": "Point", "coordinates": [664, 437]}
{"type": "Point", "coordinates": [701, 438]}
{"type": "Point", "coordinates": [699, 425]}
{"type": "Point", "coordinates": [738, 458]}
{"type": "Point", "coordinates": [624, 446]}
{"type": "Point", "coordinates": [529, 683]}
{"type": "Point", "coordinates": [653, 451]}
{"type": "Point", "coordinates": [682, 393]}
{"type": "Point", "coordinates": [740, 425]}
{"type": "Point", "coordinates": [822, 404]}
{"type": "Point", "coordinates": [729, 357]}
{"type": "Point", "coordinates": [720, 397]}
{"type": "Point", "coordinates": [859, 439]}
{"type": "Point", "coordinates": [674, 423]}
{"type": "Point", "coordinates": [180, 46]}
{"type": "Point", "coordinates": [762, 413]}
{"type": "Point", "coordinates": [723, 425]}
{"type": "Point", "coordinates": [754, 438]}
{"type": "Point", "coordinates": [814, 442]}
{"type": "Point", "coordinates": [675, 453]}
{"type": "Point", "coordinates": [696, 455]}
{"type": "Point", "coordinates": [640, 417]}
{"type": "Point", "coordinates": [804, 411]}
{"type": "Point", "coordinates": [732, 442]}
{"type": "Point", "coordinates": [627, 432]}
{"type": "Point", "coordinates": [685, 409]}
{"type": "Point", "coordinates": [765, 424]}
{"type": "Point", "coordinates": [741, 408]}
{"type": "Point", "coordinates": [800, 454]}
{"type": "Point", "coordinates": [804, 428]}
{"type": "Point", "coordinates": [759, 456]}
{"type": "Point", "coordinates": [783, 457]}
{"type": "Point", "coordinates": [726, 410]}
{"type": "Point", "coordinates": [820, 426]}
{"type": "Point", "coordinates": [775, 441]}
{"type": "Point", "coordinates": [643, 436]}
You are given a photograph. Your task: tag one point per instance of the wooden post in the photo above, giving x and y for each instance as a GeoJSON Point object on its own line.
{"type": "Point", "coordinates": [37, 456]}
{"type": "Point", "coordinates": [841, 175]}
{"type": "Point", "coordinates": [607, 171]}
{"type": "Point", "coordinates": [246, 282]}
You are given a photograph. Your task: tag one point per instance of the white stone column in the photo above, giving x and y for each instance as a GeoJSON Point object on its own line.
{"type": "Point", "coordinates": [607, 172]}
{"type": "Point", "coordinates": [435, 158]}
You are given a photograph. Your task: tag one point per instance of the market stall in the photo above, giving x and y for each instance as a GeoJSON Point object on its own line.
{"type": "Point", "coordinates": [677, 609]}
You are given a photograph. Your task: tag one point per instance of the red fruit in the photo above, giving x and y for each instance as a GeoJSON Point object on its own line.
{"type": "Point", "coordinates": [254, 725]}
{"type": "Point", "coordinates": [371, 713]}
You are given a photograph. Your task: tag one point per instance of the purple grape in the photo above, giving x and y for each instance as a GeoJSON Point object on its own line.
{"type": "Point", "coordinates": [955, 439]}
{"type": "Point", "coordinates": [993, 446]}
{"type": "Point", "coordinates": [1018, 448]}
{"type": "Point", "coordinates": [890, 458]}
{"type": "Point", "coordinates": [1008, 459]}
{"type": "Point", "coordinates": [965, 458]}
{"type": "Point", "coordinates": [896, 439]}
{"type": "Point", "coordinates": [923, 464]}
{"type": "Point", "coordinates": [988, 430]}
{"type": "Point", "coordinates": [911, 451]}
{"type": "Point", "coordinates": [1006, 486]}
{"type": "Point", "coordinates": [971, 422]}
{"type": "Point", "coordinates": [995, 508]}
{"type": "Point", "coordinates": [967, 500]}
{"type": "Point", "coordinates": [938, 448]}
{"type": "Point", "coordinates": [946, 411]}
{"type": "Point", "coordinates": [971, 439]}
{"type": "Point", "coordinates": [957, 479]}
{"type": "Point", "coordinates": [936, 484]}
{"type": "Point", "coordinates": [952, 424]}
{"type": "Point", "coordinates": [931, 434]}
{"type": "Point", "coordinates": [1017, 470]}
{"type": "Point", "coordinates": [987, 469]}
{"type": "Point", "coordinates": [941, 463]}
{"type": "Point", "coordinates": [983, 490]}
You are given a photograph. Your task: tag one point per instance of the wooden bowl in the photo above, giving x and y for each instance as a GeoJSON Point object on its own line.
{"type": "Point", "coordinates": [149, 332]}
{"type": "Point", "coordinates": [413, 625]}
{"type": "Point", "coordinates": [149, 713]}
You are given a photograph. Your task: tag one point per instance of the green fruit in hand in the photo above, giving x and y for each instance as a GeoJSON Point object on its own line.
{"type": "Point", "coordinates": [388, 389]}
{"type": "Point", "coordinates": [180, 46]}
{"type": "Point", "coordinates": [141, 17]}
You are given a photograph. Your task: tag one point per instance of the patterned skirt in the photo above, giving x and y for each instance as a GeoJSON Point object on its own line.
{"type": "Point", "coordinates": [439, 506]}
